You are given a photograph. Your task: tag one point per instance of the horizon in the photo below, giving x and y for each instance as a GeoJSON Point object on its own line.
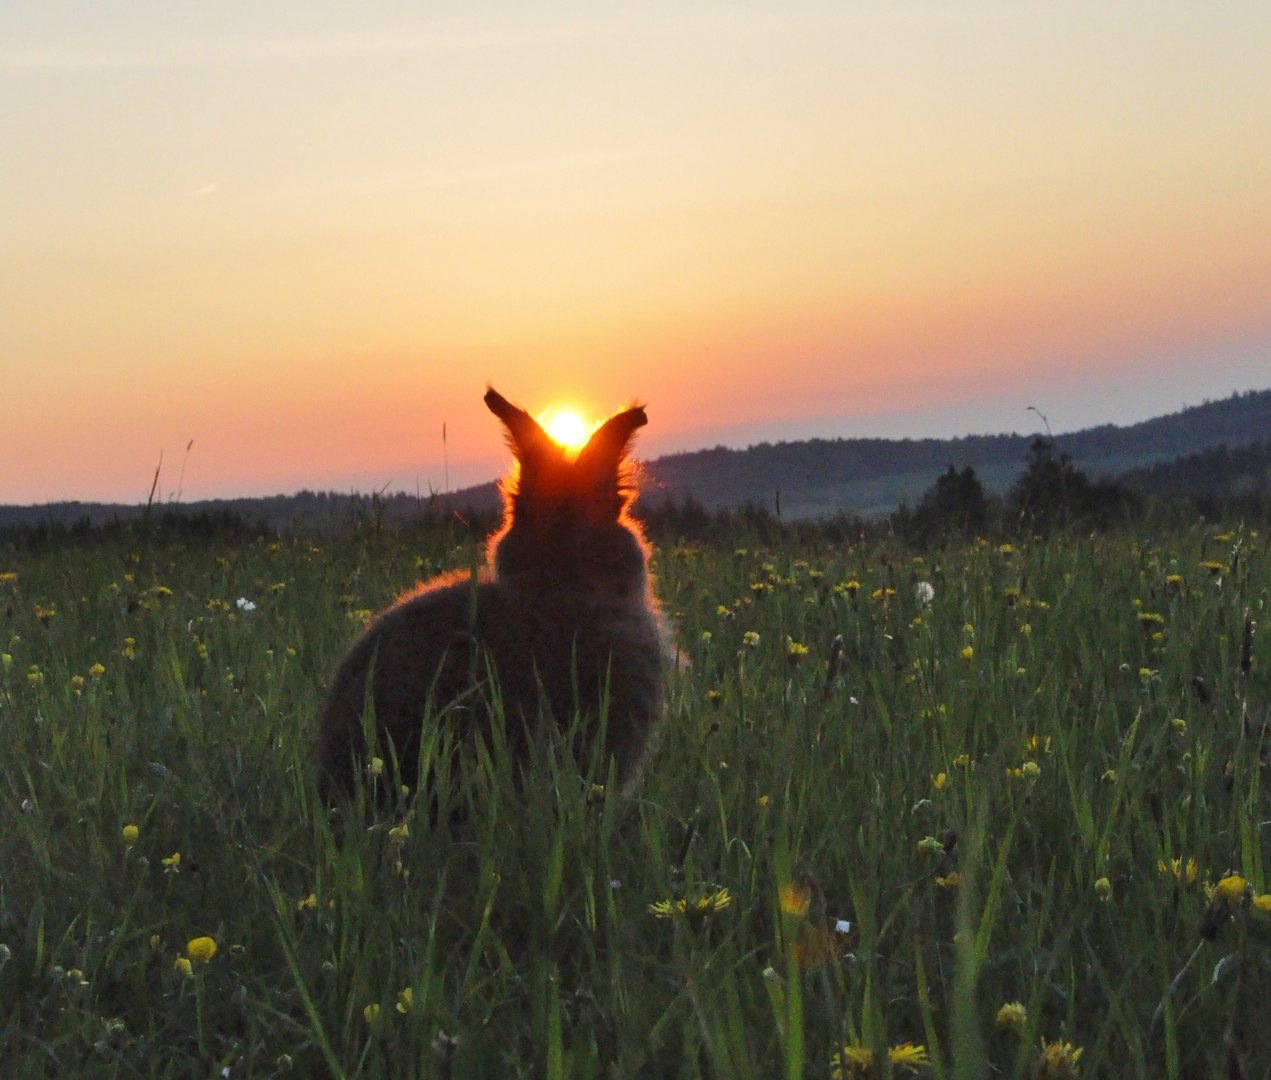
{"type": "Point", "coordinates": [306, 237]}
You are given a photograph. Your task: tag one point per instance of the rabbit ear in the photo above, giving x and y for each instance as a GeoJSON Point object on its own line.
{"type": "Point", "coordinates": [602, 456]}
{"type": "Point", "coordinates": [526, 436]}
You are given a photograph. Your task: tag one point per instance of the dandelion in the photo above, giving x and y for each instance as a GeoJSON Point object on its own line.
{"type": "Point", "coordinates": [8, 576]}
{"type": "Point", "coordinates": [924, 592]}
{"type": "Point", "coordinates": [1026, 629]}
{"type": "Point", "coordinates": [377, 766]}
{"type": "Point", "coordinates": [762, 800]}
{"type": "Point", "coordinates": [950, 882]}
{"type": "Point", "coordinates": [962, 761]}
{"type": "Point", "coordinates": [399, 833]}
{"type": "Point", "coordinates": [97, 671]}
{"type": "Point", "coordinates": [34, 675]}
{"type": "Point", "coordinates": [706, 637]}
{"type": "Point", "coordinates": [694, 912]}
{"type": "Point", "coordinates": [1030, 770]}
{"type": "Point", "coordinates": [371, 1014]}
{"type": "Point", "coordinates": [1103, 889]}
{"type": "Point", "coordinates": [795, 651]}
{"type": "Point", "coordinates": [1214, 568]}
{"type": "Point", "coordinates": [750, 639]}
{"type": "Point", "coordinates": [1012, 1014]}
{"type": "Point", "coordinates": [77, 683]}
{"type": "Point", "coordinates": [1231, 889]}
{"type": "Point", "coordinates": [1262, 904]}
{"type": "Point", "coordinates": [1150, 619]}
{"type": "Point", "coordinates": [715, 697]}
{"type": "Point", "coordinates": [183, 967]}
{"type": "Point", "coordinates": [308, 903]}
{"type": "Point", "coordinates": [172, 864]}
{"type": "Point", "coordinates": [405, 999]}
{"type": "Point", "coordinates": [1174, 582]}
{"type": "Point", "coordinates": [1058, 1061]}
{"type": "Point", "coordinates": [130, 834]}
{"type": "Point", "coordinates": [1179, 725]}
{"type": "Point", "coordinates": [129, 651]}
{"type": "Point", "coordinates": [967, 653]}
{"type": "Point", "coordinates": [1007, 549]}
{"type": "Point", "coordinates": [939, 781]}
{"type": "Point", "coordinates": [1011, 593]}
{"type": "Point", "coordinates": [244, 604]}
{"type": "Point", "coordinates": [201, 949]}
{"type": "Point", "coordinates": [851, 588]}
{"type": "Point", "coordinates": [859, 1060]}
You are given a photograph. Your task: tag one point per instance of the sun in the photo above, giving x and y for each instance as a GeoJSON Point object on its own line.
{"type": "Point", "coordinates": [567, 429]}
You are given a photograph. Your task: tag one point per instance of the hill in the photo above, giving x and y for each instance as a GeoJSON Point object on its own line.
{"type": "Point", "coordinates": [815, 478]}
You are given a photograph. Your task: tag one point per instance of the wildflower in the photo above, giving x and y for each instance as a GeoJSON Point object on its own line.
{"type": "Point", "coordinates": [1030, 770]}
{"type": "Point", "coordinates": [1058, 1061]}
{"type": "Point", "coordinates": [759, 588]}
{"type": "Point", "coordinates": [1149, 619]}
{"type": "Point", "coordinates": [859, 1060]}
{"type": "Point", "coordinates": [201, 949]}
{"type": "Point", "coordinates": [1011, 593]}
{"type": "Point", "coordinates": [1262, 904]}
{"type": "Point", "coordinates": [842, 926]}
{"type": "Point", "coordinates": [183, 966]}
{"type": "Point", "coordinates": [1012, 1014]}
{"type": "Point", "coordinates": [130, 648]}
{"type": "Point", "coordinates": [77, 683]}
{"type": "Point", "coordinates": [155, 942]}
{"type": "Point", "coordinates": [967, 653]}
{"type": "Point", "coordinates": [1026, 629]}
{"type": "Point", "coordinates": [308, 903]}
{"type": "Point", "coordinates": [97, 671]}
{"type": "Point", "coordinates": [1174, 582]}
{"type": "Point", "coordinates": [706, 637]}
{"type": "Point", "coordinates": [1007, 549]}
{"type": "Point", "coordinates": [44, 613]}
{"type": "Point", "coordinates": [762, 800]}
{"type": "Point", "coordinates": [34, 675]}
{"type": "Point", "coordinates": [1109, 776]}
{"type": "Point", "coordinates": [1103, 889]}
{"type": "Point", "coordinates": [950, 882]}
{"type": "Point", "coordinates": [161, 590]}
{"type": "Point", "coordinates": [725, 612]}
{"type": "Point", "coordinates": [939, 780]}
{"type": "Point", "coordinates": [695, 912]}
{"type": "Point", "coordinates": [172, 864]}
{"type": "Point", "coordinates": [76, 977]}
{"type": "Point", "coordinates": [6, 659]}
{"type": "Point", "coordinates": [1179, 725]}
{"type": "Point", "coordinates": [962, 761]}
{"type": "Point", "coordinates": [244, 604]}
{"type": "Point", "coordinates": [794, 899]}
{"type": "Point", "coordinates": [130, 833]}
{"type": "Point", "coordinates": [924, 592]}
{"type": "Point", "coordinates": [8, 576]}
{"type": "Point", "coordinates": [1214, 568]}
{"type": "Point", "coordinates": [405, 999]}
{"type": "Point", "coordinates": [715, 697]}
{"type": "Point", "coordinates": [399, 833]}
{"type": "Point", "coordinates": [851, 588]}
{"type": "Point", "coordinates": [1231, 889]}
{"type": "Point", "coordinates": [750, 639]}
{"type": "Point", "coordinates": [371, 1014]}
{"type": "Point", "coordinates": [795, 651]}
{"type": "Point", "coordinates": [929, 845]}
{"type": "Point", "coordinates": [377, 766]}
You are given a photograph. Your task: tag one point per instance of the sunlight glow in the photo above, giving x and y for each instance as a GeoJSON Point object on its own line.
{"type": "Point", "coordinates": [568, 430]}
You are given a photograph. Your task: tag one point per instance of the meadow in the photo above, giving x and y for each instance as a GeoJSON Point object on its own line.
{"type": "Point", "coordinates": [999, 808]}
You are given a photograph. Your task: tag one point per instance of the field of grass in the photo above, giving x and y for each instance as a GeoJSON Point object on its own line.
{"type": "Point", "coordinates": [1044, 787]}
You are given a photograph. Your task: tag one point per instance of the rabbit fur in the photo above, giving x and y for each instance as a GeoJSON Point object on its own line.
{"type": "Point", "coordinates": [562, 616]}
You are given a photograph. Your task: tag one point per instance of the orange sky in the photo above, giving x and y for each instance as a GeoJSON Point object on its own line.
{"type": "Point", "coordinates": [305, 238]}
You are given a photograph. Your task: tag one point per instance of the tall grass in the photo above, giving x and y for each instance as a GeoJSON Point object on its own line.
{"type": "Point", "coordinates": [983, 805]}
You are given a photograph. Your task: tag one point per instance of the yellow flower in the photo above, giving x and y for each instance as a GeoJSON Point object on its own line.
{"type": "Point", "coordinates": [154, 942]}
{"type": "Point", "coordinates": [967, 653]}
{"type": "Point", "coordinates": [371, 1014]}
{"type": "Point", "coordinates": [308, 903]}
{"type": "Point", "coordinates": [762, 800]}
{"type": "Point", "coordinates": [1013, 1014]}
{"type": "Point", "coordinates": [1179, 725]}
{"type": "Point", "coordinates": [6, 659]}
{"type": "Point", "coordinates": [172, 864]}
{"type": "Point", "coordinates": [131, 832]}
{"type": "Point", "coordinates": [950, 882]}
{"type": "Point", "coordinates": [8, 576]}
{"type": "Point", "coordinates": [795, 651]}
{"type": "Point", "coordinates": [962, 761]}
{"type": "Point", "coordinates": [377, 766]}
{"type": "Point", "coordinates": [34, 675]}
{"type": "Point", "coordinates": [97, 671]}
{"type": "Point", "coordinates": [1109, 776]}
{"type": "Point", "coordinates": [1230, 889]}
{"type": "Point", "coordinates": [1103, 889]}
{"type": "Point", "coordinates": [129, 650]}
{"type": "Point", "coordinates": [201, 949]}
{"type": "Point", "coordinates": [1030, 770]}
{"type": "Point", "coordinates": [859, 1060]}
{"type": "Point", "coordinates": [1058, 1061]}
{"type": "Point", "coordinates": [750, 639]}
{"type": "Point", "coordinates": [77, 683]}
{"type": "Point", "coordinates": [794, 900]}
{"type": "Point", "coordinates": [1026, 630]}
{"type": "Point", "coordinates": [399, 833]}
{"type": "Point", "coordinates": [182, 965]}
{"type": "Point", "coordinates": [1174, 581]}
{"type": "Point", "coordinates": [1262, 904]}
{"type": "Point", "coordinates": [939, 780]}
{"type": "Point", "coordinates": [929, 845]}
{"type": "Point", "coordinates": [1006, 549]}
{"type": "Point", "coordinates": [695, 911]}
{"type": "Point", "coordinates": [405, 999]}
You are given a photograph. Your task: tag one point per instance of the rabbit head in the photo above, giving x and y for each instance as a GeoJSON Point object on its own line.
{"type": "Point", "coordinates": [565, 514]}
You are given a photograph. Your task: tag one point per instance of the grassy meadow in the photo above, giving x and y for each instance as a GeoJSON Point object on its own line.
{"type": "Point", "coordinates": [958, 813]}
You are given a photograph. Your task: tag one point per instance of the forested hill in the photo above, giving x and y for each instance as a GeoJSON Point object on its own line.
{"type": "Point", "coordinates": [872, 476]}
{"type": "Point", "coordinates": [820, 477]}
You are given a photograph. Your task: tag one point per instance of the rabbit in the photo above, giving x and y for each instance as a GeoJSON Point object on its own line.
{"type": "Point", "coordinates": [563, 616]}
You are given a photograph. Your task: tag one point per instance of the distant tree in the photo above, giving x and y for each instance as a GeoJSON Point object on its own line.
{"type": "Point", "coordinates": [1053, 493]}
{"type": "Point", "coordinates": [955, 505]}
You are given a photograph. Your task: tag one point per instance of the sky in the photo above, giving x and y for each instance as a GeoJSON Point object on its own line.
{"type": "Point", "coordinates": [304, 236]}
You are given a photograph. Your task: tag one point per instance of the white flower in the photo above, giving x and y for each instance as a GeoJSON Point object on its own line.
{"type": "Point", "coordinates": [924, 592]}
{"type": "Point", "coordinates": [245, 605]}
{"type": "Point", "coordinates": [842, 926]}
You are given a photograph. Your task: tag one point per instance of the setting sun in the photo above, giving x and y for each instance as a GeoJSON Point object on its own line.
{"type": "Point", "coordinates": [568, 430]}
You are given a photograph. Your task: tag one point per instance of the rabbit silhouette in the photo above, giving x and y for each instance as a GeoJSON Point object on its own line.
{"type": "Point", "coordinates": [562, 617]}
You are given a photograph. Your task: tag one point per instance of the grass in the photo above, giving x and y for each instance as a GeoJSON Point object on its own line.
{"type": "Point", "coordinates": [967, 803]}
